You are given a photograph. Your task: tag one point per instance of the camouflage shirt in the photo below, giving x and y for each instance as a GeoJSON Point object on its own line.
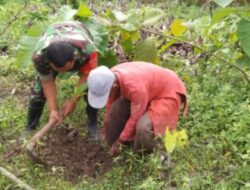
{"type": "Point", "coordinates": [76, 34]}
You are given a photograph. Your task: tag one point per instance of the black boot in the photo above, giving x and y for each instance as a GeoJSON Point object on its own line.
{"type": "Point", "coordinates": [35, 111]}
{"type": "Point", "coordinates": [92, 122]}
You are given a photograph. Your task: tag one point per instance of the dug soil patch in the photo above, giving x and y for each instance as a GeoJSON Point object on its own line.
{"type": "Point", "coordinates": [67, 152]}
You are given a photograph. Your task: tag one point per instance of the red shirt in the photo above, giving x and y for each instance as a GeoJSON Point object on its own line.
{"type": "Point", "coordinates": [91, 64]}
{"type": "Point", "coordinates": [142, 82]}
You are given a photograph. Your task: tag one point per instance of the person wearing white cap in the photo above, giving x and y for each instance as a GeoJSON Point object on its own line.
{"type": "Point", "coordinates": [141, 99]}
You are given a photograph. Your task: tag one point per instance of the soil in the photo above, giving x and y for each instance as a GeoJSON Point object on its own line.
{"type": "Point", "coordinates": [182, 49]}
{"type": "Point", "coordinates": [67, 152]}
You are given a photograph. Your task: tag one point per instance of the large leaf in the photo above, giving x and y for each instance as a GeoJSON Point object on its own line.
{"type": "Point", "coordinates": [109, 59]}
{"type": "Point", "coordinates": [152, 15]}
{"type": "Point", "coordinates": [243, 34]}
{"type": "Point", "coordinates": [26, 47]}
{"type": "Point", "coordinates": [127, 41]}
{"type": "Point", "coordinates": [222, 13]}
{"type": "Point", "coordinates": [134, 18]}
{"type": "Point", "coordinates": [169, 141]}
{"type": "Point", "coordinates": [134, 35]}
{"type": "Point", "coordinates": [36, 30]}
{"type": "Point", "coordinates": [146, 51]}
{"type": "Point", "coordinates": [177, 27]}
{"type": "Point", "coordinates": [223, 3]}
{"type": "Point", "coordinates": [175, 139]}
{"type": "Point", "coordinates": [66, 13]}
{"type": "Point", "coordinates": [130, 27]}
{"type": "Point", "coordinates": [127, 46]}
{"type": "Point", "coordinates": [83, 11]}
{"type": "Point", "coordinates": [99, 34]}
{"type": "Point", "coordinates": [27, 44]}
{"type": "Point", "coordinates": [181, 138]}
{"type": "Point", "coordinates": [119, 16]}
{"type": "Point", "coordinates": [244, 61]}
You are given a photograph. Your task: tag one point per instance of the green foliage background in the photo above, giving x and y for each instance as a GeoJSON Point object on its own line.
{"type": "Point", "coordinates": [212, 60]}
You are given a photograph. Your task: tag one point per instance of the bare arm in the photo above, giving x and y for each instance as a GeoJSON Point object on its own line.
{"type": "Point", "coordinates": [49, 88]}
{"type": "Point", "coordinates": [69, 105]}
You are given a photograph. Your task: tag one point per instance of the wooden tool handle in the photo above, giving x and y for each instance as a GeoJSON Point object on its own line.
{"type": "Point", "coordinates": [39, 135]}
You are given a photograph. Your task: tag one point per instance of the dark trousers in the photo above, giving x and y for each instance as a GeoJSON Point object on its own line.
{"type": "Point", "coordinates": [118, 116]}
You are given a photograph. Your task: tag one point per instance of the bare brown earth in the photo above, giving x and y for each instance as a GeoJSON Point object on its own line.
{"type": "Point", "coordinates": [74, 155]}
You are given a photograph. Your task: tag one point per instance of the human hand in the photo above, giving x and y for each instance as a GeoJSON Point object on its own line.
{"type": "Point", "coordinates": [55, 117]}
{"type": "Point", "coordinates": [116, 148]}
{"type": "Point", "coordinates": [68, 107]}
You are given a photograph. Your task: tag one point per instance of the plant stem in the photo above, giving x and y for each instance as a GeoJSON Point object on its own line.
{"type": "Point", "coordinates": [13, 178]}
{"type": "Point", "coordinates": [13, 19]}
{"type": "Point", "coordinates": [202, 49]}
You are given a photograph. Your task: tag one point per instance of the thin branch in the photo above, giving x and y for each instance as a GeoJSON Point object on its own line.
{"type": "Point", "coordinates": [115, 44]}
{"type": "Point", "coordinates": [13, 178]}
{"type": "Point", "coordinates": [13, 19]}
{"type": "Point", "coordinates": [202, 49]}
{"type": "Point", "coordinates": [233, 65]}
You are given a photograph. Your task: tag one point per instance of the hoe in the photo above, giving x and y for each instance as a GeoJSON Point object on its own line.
{"type": "Point", "coordinates": [30, 147]}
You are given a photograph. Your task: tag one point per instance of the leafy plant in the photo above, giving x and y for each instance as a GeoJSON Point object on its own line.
{"type": "Point", "coordinates": [175, 139]}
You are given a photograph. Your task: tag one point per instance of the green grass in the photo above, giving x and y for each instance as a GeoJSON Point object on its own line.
{"type": "Point", "coordinates": [218, 126]}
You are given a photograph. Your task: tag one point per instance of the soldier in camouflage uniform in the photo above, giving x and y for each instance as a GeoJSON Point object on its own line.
{"type": "Point", "coordinates": [65, 46]}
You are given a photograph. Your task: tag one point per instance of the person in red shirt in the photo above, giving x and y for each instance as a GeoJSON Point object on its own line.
{"type": "Point", "coordinates": [142, 100]}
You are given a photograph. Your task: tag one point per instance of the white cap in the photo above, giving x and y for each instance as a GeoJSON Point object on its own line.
{"type": "Point", "coordinates": [100, 81]}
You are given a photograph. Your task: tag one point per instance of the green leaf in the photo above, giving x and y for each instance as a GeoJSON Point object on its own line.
{"type": "Point", "coordinates": [79, 90]}
{"type": "Point", "coordinates": [26, 46]}
{"type": "Point", "coordinates": [134, 18]}
{"type": "Point", "coordinates": [245, 13]}
{"type": "Point", "coordinates": [233, 38]}
{"type": "Point", "coordinates": [83, 11]}
{"type": "Point", "coordinates": [129, 27]}
{"type": "Point", "coordinates": [167, 45]}
{"type": "Point", "coordinates": [98, 33]}
{"type": "Point", "coordinates": [222, 13]}
{"type": "Point", "coordinates": [66, 13]}
{"type": "Point", "coordinates": [134, 35]}
{"type": "Point", "coordinates": [119, 16]}
{"type": "Point", "coordinates": [175, 139]}
{"type": "Point", "coordinates": [152, 16]}
{"type": "Point", "coordinates": [127, 41]}
{"type": "Point", "coordinates": [182, 138]}
{"type": "Point", "coordinates": [146, 51]}
{"type": "Point", "coordinates": [127, 46]}
{"type": "Point", "coordinates": [223, 3]}
{"type": "Point", "coordinates": [109, 59]}
{"type": "Point", "coordinates": [177, 28]}
{"type": "Point", "coordinates": [244, 61]}
{"type": "Point", "coordinates": [169, 141]}
{"type": "Point", "coordinates": [35, 30]}
{"type": "Point", "coordinates": [243, 34]}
